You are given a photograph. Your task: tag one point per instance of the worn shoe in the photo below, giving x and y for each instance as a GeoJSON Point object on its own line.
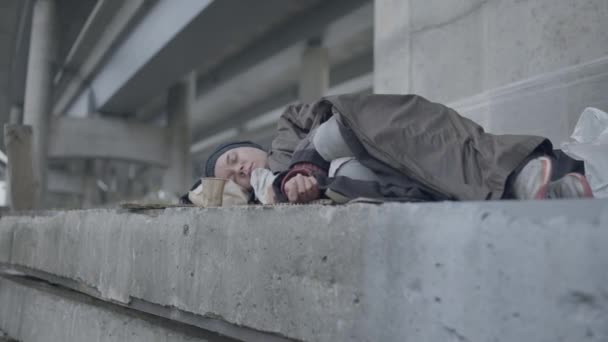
{"type": "Point", "coordinates": [572, 185]}
{"type": "Point", "coordinates": [533, 180]}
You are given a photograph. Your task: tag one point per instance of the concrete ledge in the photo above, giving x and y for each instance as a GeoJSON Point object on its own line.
{"type": "Point", "coordinates": [493, 271]}
{"type": "Point", "coordinates": [32, 312]}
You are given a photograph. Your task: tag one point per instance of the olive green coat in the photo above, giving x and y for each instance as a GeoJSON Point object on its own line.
{"type": "Point", "coordinates": [429, 142]}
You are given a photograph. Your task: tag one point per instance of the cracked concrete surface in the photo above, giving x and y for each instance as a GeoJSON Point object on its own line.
{"type": "Point", "coordinates": [492, 271]}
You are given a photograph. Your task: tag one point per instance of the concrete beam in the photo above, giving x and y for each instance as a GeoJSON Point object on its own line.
{"type": "Point", "coordinates": [104, 138]}
{"type": "Point", "coordinates": [242, 93]}
{"type": "Point", "coordinates": [92, 30]}
{"type": "Point", "coordinates": [227, 113]}
{"type": "Point", "coordinates": [65, 183]}
{"type": "Point", "coordinates": [313, 23]}
{"type": "Point", "coordinates": [153, 57]}
{"type": "Point", "coordinates": [239, 118]}
{"type": "Point", "coordinates": [107, 26]}
{"type": "Point", "coordinates": [273, 63]}
{"type": "Point", "coordinates": [506, 271]}
{"type": "Point", "coordinates": [146, 40]}
{"type": "Point", "coordinates": [35, 311]}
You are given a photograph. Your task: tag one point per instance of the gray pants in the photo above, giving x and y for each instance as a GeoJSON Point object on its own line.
{"type": "Point", "coordinates": [330, 144]}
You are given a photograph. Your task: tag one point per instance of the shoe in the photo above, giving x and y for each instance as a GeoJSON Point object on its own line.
{"type": "Point", "coordinates": [572, 185]}
{"type": "Point", "coordinates": [532, 182]}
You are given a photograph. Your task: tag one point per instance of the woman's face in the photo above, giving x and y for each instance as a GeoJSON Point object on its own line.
{"type": "Point", "coordinates": [236, 164]}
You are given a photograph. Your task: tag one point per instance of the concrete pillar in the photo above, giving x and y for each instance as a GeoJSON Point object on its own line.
{"type": "Point", "coordinates": [531, 71]}
{"type": "Point", "coordinates": [314, 73]}
{"type": "Point", "coordinates": [38, 87]}
{"type": "Point", "coordinates": [391, 46]}
{"type": "Point", "coordinates": [178, 175]}
{"type": "Point", "coordinates": [16, 115]}
{"type": "Point", "coordinates": [20, 184]}
{"type": "Point", "coordinates": [90, 192]}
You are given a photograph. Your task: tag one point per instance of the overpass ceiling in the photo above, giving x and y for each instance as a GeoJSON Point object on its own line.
{"type": "Point", "coordinates": [221, 30]}
{"type": "Point", "coordinates": [71, 17]}
{"type": "Point", "coordinates": [227, 94]}
{"type": "Point", "coordinates": [221, 40]}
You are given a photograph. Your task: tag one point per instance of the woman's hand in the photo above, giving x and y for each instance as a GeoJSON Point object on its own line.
{"type": "Point", "coordinates": [302, 189]}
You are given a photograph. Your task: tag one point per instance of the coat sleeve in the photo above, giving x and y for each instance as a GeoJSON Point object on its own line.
{"type": "Point", "coordinates": [320, 147]}
{"type": "Point", "coordinates": [352, 180]}
{"type": "Point", "coordinates": [294, 125]}
{"type": "Point", "coordinates": [291, 129]}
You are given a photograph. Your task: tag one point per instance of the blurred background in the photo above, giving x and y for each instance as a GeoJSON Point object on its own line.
{"type": "Point", "coordinates": [127, 98]}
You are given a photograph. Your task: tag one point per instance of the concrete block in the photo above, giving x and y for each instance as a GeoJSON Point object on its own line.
{"type": "Point", "coordinates": [548, 105]}
{"type": "Point", "coordinates": [38, 312]}
{"type": "Point", "coordinates": [492, 271]}
{"type": "Point", "coordinates": [108, 138]}
{"type": "Point", "coordinates": [528, 38]}
{"type": "Point", "coordinates": [452, 50]}
{"type": "Point", "coordinates": [391, 46]}
{"type": "Point", "coordinates": [524, 67]}
{"type": "Point", "coordinates": [447, 59]}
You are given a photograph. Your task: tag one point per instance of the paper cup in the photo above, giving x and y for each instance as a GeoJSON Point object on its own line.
{"type": "Point", "coordinates": [212, 192]}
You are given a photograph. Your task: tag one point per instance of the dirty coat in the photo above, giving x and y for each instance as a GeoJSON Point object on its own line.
{"type": "Point", "coordinates": [424, 150]}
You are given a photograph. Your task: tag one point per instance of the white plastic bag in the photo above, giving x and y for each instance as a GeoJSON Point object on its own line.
{"type": "Point", "coordinates": [590, 144]}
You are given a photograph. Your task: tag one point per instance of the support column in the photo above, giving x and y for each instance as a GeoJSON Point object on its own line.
{"type": "Point", "coordinates": [314, 73]}
{"type": "Point", "coordinates": [178, 175]}
{"type": "Point", "coordinates": [510, 79]}
{"type": "Point", "coordinates": [16, 115]}
{"type": "Point", "coordinates": [20, 184]}
{"type": "Point", "coordinates": [90, 192]}
{"type": "Point", "coordinates": [38, 88]}
{"type": "Point", "coordinates": [392, 43]}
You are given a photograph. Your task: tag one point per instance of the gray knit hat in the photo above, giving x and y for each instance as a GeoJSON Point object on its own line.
{"type": "Point", "coordinates": [223, 148]}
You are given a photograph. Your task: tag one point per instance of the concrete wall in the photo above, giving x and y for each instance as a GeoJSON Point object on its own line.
{"type": "Point", "coordinates": [531, 53]}
{"type": "Point", "coordinates": [33, 312]}
{"type": "Point", "coordinates": [501, 271]}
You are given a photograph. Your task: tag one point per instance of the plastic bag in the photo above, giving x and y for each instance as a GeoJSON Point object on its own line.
{"type": "Point", "coordinates": [590, 144]}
